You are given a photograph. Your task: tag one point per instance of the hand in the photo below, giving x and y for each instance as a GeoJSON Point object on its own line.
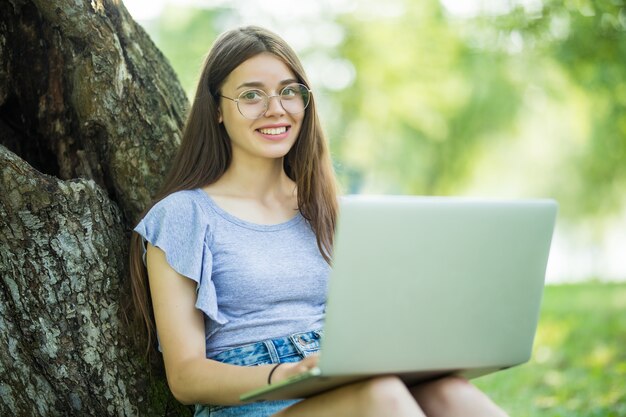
{"type": "Point", "coordinates": [287, 370]}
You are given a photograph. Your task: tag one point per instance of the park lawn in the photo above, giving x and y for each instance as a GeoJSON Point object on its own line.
{"type": "Point", "coordinates": [578, 366]}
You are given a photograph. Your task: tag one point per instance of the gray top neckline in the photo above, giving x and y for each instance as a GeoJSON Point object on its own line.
{"type": "Point", "coordinates": [297, 218]}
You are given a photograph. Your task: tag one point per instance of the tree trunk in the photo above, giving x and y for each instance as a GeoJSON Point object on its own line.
{"type": "Point", "coordinates": [90, 111]}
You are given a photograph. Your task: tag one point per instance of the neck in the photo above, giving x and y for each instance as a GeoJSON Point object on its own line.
{"type": "Point", "coordinates": [259, 179]}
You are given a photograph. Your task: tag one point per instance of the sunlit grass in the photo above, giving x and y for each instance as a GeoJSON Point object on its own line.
{"type": "Point", "coordinates": [578, 366]}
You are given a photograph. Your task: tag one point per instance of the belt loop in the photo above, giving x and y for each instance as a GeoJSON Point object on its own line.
{"type": "Point", "coordinates": [271, 349]}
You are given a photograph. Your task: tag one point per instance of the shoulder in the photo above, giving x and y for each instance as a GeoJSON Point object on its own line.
{"type": "Point", "coordinates": [178, 225]}
{"type": "Point", "coordinates": [181, 198]}
{"type": "Point", "coordinates": [179, 204]}
{"type": "Point", "coordinates": [178, 211]}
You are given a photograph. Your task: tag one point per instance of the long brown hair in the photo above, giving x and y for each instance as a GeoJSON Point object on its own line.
{"type": "Point", "coordinates": [205, 152]}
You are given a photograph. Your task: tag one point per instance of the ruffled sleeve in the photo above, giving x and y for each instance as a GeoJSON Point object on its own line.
{"type": "Point", "coordinates": [178, 226]}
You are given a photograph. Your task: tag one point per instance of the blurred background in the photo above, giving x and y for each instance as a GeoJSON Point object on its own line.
{"type": "Point", "coordinates": [489, 98]}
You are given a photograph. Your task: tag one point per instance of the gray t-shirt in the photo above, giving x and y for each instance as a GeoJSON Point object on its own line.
{"type": "Point", "coordinates": [254, 282]}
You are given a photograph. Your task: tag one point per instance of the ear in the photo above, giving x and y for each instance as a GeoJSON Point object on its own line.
{"type": "Point", "coordinates": [219, 116]}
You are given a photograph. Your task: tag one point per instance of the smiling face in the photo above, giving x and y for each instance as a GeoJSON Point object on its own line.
{"type": "Point", "coordinates": [273, 134]}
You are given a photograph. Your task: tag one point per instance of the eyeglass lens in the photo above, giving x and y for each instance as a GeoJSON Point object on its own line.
{"type": "Point", "coordinates": [294, 98]}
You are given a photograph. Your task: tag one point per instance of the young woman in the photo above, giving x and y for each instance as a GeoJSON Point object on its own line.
{"type": "Point", "coordinates": [231, 262]}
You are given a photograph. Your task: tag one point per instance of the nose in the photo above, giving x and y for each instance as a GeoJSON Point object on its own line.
{"type": "Point", "coordinates": [274, 107]}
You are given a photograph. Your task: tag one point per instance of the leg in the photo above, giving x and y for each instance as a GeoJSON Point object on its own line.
{"type": "Point", "coordinates": [385, 396]}
{"type": "Point", "coordinates": [453, 396]}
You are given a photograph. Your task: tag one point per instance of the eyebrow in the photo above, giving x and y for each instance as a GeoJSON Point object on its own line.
{"type": "Point", "coordinates": [258, 84]}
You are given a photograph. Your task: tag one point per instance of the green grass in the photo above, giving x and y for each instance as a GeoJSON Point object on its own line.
{"type": "Point", "coordinates": [578, 366]}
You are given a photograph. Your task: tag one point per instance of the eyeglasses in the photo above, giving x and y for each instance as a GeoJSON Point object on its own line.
{"type": "Point", "coordinates": [252, 104]}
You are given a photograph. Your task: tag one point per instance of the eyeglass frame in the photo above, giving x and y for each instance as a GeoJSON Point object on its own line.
{"type": "Point", "coordinates": [267, 105]}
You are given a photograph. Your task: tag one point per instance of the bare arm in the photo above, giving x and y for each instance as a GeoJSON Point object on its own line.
{"type": "Point", "coordinates": [192, 378]}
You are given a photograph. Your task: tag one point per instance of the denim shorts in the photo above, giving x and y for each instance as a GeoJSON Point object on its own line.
{"type": "Point", "coordinates": [285, 349]}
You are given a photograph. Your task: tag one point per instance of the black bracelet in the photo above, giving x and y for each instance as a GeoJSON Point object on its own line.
{"type": "Point", "coordinates": [269, 377]}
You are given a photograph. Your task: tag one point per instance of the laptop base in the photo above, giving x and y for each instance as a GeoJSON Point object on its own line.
{"type": "Point", "coordinates": [318, 384]}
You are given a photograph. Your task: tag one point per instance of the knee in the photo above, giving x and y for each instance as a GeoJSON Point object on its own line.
{"type": "Point", "coordinates": [450, 393]}
{"type": "Point", "coordinates": [452, 385]}
{"type": "Point", "coordinates": [448, 390]}
{"type": "Point", "coordinates": [385, 396]}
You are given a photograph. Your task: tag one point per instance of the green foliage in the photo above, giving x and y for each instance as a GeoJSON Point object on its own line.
{"type": "Point", "coordinates": [586, 41]}
{"type": "Point", "coordinates": [529, 100]}
{"type": "Point", "coordinates": [423, 103]}
{"type": "Point", "coordinates": [578, 367]}
{"type": "Point", "coordinates": [184, 35]}
{"type": "Point", "coordinates": [594, 53]}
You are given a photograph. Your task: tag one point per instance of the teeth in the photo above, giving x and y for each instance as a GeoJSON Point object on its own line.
{"type": "Point", "coordinates": [274, 131]}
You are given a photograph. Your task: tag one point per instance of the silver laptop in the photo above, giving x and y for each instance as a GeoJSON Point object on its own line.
{"type": "Point", "coordinates": [423, 287]}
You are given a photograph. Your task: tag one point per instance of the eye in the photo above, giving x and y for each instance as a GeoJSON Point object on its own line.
{"type": "Point", "coordinates": [290, 91]}
{"type": "Point", "coordinates": [251, 96]}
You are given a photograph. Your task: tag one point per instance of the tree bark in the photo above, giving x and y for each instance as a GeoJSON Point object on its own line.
{"type": "Point", "coordinates": [90, 113]}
